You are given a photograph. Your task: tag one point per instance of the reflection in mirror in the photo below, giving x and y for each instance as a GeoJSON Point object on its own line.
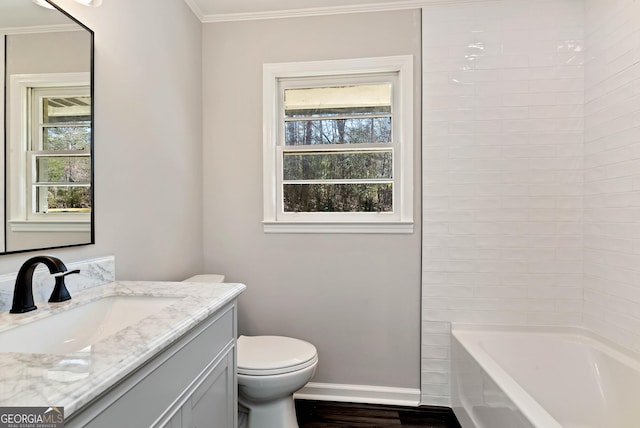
{"type": "Point", "coordinates": [48, 178]}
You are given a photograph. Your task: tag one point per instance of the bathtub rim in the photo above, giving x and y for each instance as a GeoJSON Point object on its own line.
{"type": "Point", "coordinates": [527, 405]}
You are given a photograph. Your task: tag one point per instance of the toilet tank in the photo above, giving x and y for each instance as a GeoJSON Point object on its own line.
{"type": "Point", "coordinates": [210, 277]}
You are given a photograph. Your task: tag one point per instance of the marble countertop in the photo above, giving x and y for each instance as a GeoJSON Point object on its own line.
{"type": "Point", "coordinates": [72, 380]}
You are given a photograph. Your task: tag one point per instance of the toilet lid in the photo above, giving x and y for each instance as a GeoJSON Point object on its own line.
{"type": "Point", "coordinates": [268, 355]}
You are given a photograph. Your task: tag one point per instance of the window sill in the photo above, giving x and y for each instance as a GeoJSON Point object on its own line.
{"type": "Point", "coordinates": [338, 227]}
{"type": "Point", "coordinates": [49, 226]}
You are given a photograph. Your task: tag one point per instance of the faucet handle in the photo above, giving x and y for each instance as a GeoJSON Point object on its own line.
{"type": "Point", "coordinates": [60, 292]}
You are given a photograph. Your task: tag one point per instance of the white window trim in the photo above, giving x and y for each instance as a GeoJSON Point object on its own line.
{"type": "Point", "coordinates": [400, 221]}
{"type": "Point", "coordinates": [18, 140]}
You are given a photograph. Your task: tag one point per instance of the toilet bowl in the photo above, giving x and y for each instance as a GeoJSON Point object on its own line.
{"type": "Point", "coordinates": [270, 370]}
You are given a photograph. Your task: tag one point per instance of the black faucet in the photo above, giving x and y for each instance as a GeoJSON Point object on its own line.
{"type": "Point", "coordinates": [23, 291]}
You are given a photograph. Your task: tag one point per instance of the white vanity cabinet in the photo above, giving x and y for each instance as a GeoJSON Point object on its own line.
{"type": "Point", "coordinates": [190, 384]}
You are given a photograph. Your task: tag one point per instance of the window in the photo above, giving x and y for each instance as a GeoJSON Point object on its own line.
{"type": "Point", "coordinates": [338, 146]}
{"type": "Point", "coordinates": [51, 153]}
{"type": "Point", "coordinates": [59, 159]}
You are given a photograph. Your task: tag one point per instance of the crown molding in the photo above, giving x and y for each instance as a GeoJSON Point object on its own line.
{"type": "Point", "coordinates": [195, 9]}
{"type": "Point", "coordinates": [316, 11]}
{"type": "Point", "coordinates": [320, 11]}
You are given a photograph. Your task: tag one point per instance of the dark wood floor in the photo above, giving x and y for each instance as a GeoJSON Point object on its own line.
{"type": "Point", "coordinates": [325, 414]}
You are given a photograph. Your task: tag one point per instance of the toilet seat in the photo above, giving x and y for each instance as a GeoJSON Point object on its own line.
{"type": "Point", "coordinates": [272, 355]}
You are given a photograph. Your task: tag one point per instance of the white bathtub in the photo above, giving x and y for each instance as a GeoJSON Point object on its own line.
{"type": "Point", "coordinates": [542, 378]}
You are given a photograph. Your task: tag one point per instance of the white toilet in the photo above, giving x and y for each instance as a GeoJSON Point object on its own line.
{"type": "Point", "coordinates": [270, 370]}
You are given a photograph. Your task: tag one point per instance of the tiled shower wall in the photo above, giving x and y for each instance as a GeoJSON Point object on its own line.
{"type": "Point", "coordinates": [502, 170]}
{"type": "Point", "coordinates": [612, 171]}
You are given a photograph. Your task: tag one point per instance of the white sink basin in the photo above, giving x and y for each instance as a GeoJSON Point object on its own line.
{"type": "Point", "coordinates": [76, 329]}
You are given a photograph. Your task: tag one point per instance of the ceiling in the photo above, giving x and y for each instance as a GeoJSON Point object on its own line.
{"type": "Point", "coordinates": [212, 10]}
{"type": "Point", "coordinates": [23, 13]}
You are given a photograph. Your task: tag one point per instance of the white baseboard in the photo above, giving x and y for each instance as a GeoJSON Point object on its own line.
{"type": "Point", "coordinates": [359, 394]}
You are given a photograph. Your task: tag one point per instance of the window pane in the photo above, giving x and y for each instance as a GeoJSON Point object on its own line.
{"type": "Point", "coordinates": [66, 109]}
{"type": "Point", "coordinates": [373, 197]}
{"type": "Point", "coordinates": [63, 199]}
{"type": "Point", "coordinates": [66, 138]}
{"type": "Point", "coordinates": [63, 169]}
{"type": "Point", "coordinates": [338, 165]}
{"type": "Point", "coordinates": [338, 131]}
{"type": "Point", "coordinates": [338, 100]}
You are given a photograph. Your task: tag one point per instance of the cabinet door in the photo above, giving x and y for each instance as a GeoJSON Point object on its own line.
{"type": "Point", "coordinates": [176, 421]}
{"type": "Point", "coordinates": [213, 404]}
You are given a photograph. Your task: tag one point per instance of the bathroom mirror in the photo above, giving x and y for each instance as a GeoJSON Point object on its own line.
{"type": "Point", "coordinates": [48, 128]}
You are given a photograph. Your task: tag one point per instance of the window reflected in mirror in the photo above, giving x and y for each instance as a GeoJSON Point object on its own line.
{"type": "Point", "coordinates": [60, 144]}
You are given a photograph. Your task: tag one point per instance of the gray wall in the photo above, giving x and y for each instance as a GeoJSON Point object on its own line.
{"type": "Point", "coordinates": [148, 139]}
{"type": "Point", "coordinates": [356, 297]}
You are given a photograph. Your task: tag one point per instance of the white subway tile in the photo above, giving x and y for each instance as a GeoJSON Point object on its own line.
{"type": "Point", "coordinates": [505, 195]}
{"type": "Point", "coordinates": [436, 328]}
{"type": "Point", "coordinates": [435, 390]}
{"type": "Point", "coordinates": [433, 352]}
{"type": "Point", "coordinates": [431, 365]}
{"type": "Point", "coordinates": [435, 377]}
